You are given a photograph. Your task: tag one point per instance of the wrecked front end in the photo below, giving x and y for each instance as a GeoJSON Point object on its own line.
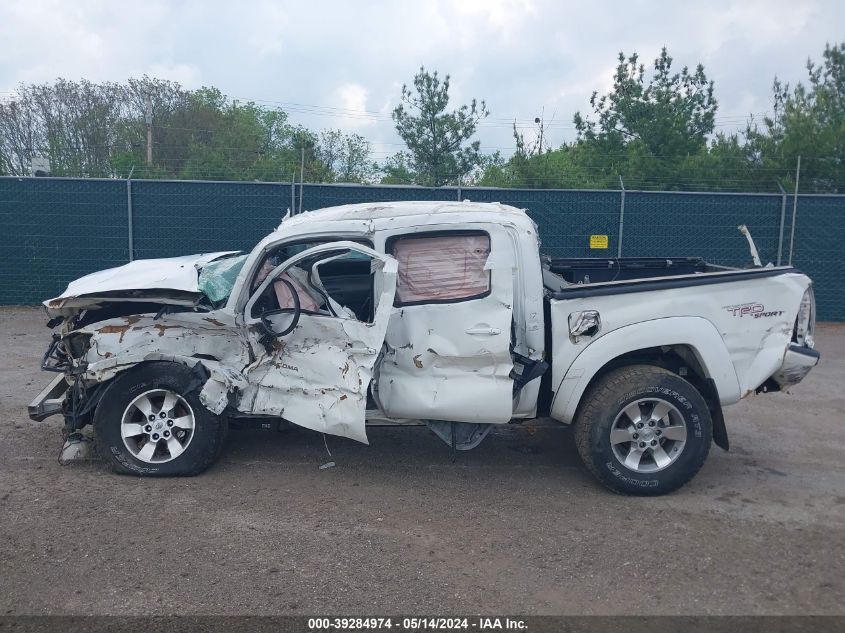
{"type": "Point", "coordinates": [112, 320]}
{"type": "Point", "coordinates": [67, 393]}
{"type": "Point", "coordinates": [89, 357]}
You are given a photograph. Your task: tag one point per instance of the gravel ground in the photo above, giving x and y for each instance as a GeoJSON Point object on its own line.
{"type": "Point", "coordinates": [515, 526]}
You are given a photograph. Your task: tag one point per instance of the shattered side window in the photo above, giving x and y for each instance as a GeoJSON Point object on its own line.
{"type": "Point", "coordinates": [441, 268]}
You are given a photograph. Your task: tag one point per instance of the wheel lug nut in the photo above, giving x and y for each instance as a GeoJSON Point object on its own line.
{"type": "Point", "coordinates": [155, 436]}
{"type": "Point", "coordinates": [651, 423]}
{"type": "Point", "coordinates": [636, 436]}
{"type": "Point", "coordinates": [148, 428]}
{"type": "Point", "coordinates": [170, 423]}
{"type": "Point", "coordinates": [162, 415]}
{"type": "Point", "coordinates": [152, 418]}
{"type": "Point", "coordinates": [167, 434]}
{"type": "Point", "coordinates": [639, 425]}
{"type": "Point", "coordinates": [654, 442]}
{"type": "Point", "coordinates": [659, 432]}
{"type": "Point", "coordinates": [642, 444]}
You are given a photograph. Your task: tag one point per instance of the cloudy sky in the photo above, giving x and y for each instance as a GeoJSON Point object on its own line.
{"type": "Point", "coordinates": [342, 64]}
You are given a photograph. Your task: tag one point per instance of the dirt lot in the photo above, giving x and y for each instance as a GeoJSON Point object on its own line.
{"type": "Point", "coordinates": [513, 527]}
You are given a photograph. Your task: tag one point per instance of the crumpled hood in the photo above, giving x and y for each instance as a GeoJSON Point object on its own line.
{"type": "Point", "coordinates": [172, 280]}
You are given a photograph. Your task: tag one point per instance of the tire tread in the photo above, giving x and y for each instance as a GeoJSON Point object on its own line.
{"type": "Point", "coordinates": [608, 388]}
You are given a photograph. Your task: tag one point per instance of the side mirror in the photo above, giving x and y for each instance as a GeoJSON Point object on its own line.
{"type": "Point", "coordinates": [284, 320]}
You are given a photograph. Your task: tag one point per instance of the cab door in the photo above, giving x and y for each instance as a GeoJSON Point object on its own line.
{"type": "Point", "coordinates": [314, 356]}
{"type": "Point", "coordinates": [447, 353]}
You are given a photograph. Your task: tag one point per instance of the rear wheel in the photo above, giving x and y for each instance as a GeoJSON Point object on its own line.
{"type": "Point", "coordinates": [643, 430]}
{"type": "Point", "coordinates": [149, 423]}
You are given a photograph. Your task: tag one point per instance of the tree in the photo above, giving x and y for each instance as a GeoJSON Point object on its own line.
{"type": "Point", "coordinates": [89, 129]}
{"type": "Point", "coordinates": [652, 129]}
{"type": "Point", "coordinates": [652, 123]}
{"type": "Point", "coordinates": [808, 121]}
{"type": "Point", "coordinates": [398, 170]}
{"type": "Point", "coordinates": [345, 157]}
{"type": "Point", "coordinates": [75, 124]}
{"type": "Point", "coordinates": [437, 139]}
{"type": "Point", "coordinates": [671, 114]}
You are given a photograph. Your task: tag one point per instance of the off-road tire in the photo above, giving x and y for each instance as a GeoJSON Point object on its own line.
{"type": "Point", "coordinates": [609, 396]}
{"type": "Point", "coordinates": [209, 433]}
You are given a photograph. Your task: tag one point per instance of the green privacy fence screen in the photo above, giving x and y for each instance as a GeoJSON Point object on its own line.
{"type": "Point", "coordinates": [53, 230]}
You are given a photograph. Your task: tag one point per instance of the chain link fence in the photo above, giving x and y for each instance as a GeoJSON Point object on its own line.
{"type": "Point", "coordinates": [53, 230]}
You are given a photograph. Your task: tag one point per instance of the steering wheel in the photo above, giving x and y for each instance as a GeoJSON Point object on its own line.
{"type": "Point", "coordinates": [297, 310]}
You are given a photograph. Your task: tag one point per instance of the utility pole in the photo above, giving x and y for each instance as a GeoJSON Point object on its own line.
{"type": "Point", "coordinates": [541, 123]}
{"type": "Point", "coordinates": [149, 119]}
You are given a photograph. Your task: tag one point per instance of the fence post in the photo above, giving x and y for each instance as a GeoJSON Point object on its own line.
{"type": "Point", "coordinates": [459, 188]}
{"type": "Point", "coordinates": [131, 230]}
{"type": "Point", "coordinates": [301, 178]}
{"type": "Point", "coordinates": [794, 210]}
{"type": "Point", "coordinates": [782, 222]}
{"type": "Point", "coordinates": [621, 219]}
{"type": "Point", "coordinates": [293, 193]}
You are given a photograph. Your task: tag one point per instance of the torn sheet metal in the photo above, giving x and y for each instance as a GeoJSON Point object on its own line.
{"type": "Point", "coordinates": [188, 338]}
{"type": "Point", "coordinates": [317, 376]}
{"type": "Point", "coordinates": [166, 279]}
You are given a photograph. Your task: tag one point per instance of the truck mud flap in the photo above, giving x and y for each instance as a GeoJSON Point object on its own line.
{"type": "Point", "coordinates": [720, 431]}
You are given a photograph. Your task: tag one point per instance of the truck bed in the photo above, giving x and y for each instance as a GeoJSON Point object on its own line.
{"type": "Point", "coordinates": [567, 278]}
{"type": "Point", "coordinates": [585, 270]}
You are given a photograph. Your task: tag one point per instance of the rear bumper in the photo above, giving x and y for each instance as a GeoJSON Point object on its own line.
{"type": "Point", "coordinates": [797, 363]}
{"type": "Point", "coordinates": [50, 400]}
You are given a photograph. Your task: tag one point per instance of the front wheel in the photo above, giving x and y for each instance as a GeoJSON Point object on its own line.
{"type": "Point", "coordinates": [643, 430]}
{"type": "Point", "coordinates": [150, 421]}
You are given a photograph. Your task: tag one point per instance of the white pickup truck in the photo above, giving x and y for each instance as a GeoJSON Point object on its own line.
{"type": "Point", "coordinates": [444, 313]}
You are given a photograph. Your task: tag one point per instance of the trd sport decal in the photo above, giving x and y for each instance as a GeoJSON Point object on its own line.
{"type": "Point", "coordinates": [753, 310]}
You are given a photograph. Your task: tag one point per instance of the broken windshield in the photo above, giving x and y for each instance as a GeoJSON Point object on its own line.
{"type": "Point", "coordinates": [218, 277]}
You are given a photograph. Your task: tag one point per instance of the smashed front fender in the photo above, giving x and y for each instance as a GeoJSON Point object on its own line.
{"type": "Point", "coordinates": [190, 339]}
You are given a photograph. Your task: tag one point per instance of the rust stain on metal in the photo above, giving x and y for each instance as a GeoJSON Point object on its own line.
{"type": "Point", "coordinates": [161, 328]}
{"type": "Point", "coordinates": [120, 329]}
{"type": "Point", "coordinates": [343, 397]}
{"type": "Point", "coordinates": [418, 362]}
{"type": "Point", "coordinates": [213, 321]}
{"type": "Point", "coordinates": [115, 329]}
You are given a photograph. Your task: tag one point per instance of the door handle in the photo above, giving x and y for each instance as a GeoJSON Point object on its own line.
{"type": "Point", "coordinates": [484, 331]}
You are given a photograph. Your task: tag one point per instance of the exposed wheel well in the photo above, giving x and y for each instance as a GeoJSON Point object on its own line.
{"type": "Point", "coordinates": [683, 361]}
{"type": "Point", "coordinates": [679, 359]}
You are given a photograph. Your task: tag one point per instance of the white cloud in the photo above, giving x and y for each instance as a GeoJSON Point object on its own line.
{"type": "Point", "coordinates": [188, 75]}
{"type": "Point", "coordinates": [269, 25]}
{"type": "Point", "coordinates": [353, 106]}
{"type": "Point", "coordinates": [520, 56]}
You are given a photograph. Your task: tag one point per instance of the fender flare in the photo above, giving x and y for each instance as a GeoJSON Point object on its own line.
{"type": "Point", "coordinates": [695, 332]}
